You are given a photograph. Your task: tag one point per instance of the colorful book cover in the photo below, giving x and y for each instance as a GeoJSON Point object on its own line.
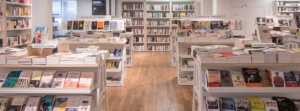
{"type": "Point", "coordinates": [226, 79]}
{"type": "Point", "coordinates": [33, 104]}
{"type": "Point", "coordinates": [296, 75]}
{"type": "Point", "coordinates": [195, 25]}
{"type": "Point", "coordinates": [113, 25]}
{"type": "Point", "coordinates": [47, 103]}
{"type": "Point", "coordinates": [290, 80]}
{"type": "Point", "coordinates": [214, 78]}
{"type": "Point", "coordinates": [106, 25]}
{"type": "Point", "coordinates": [86, 80]}
{"type": "Point", "coordinates": [72, 80]}
{"type": "Point", "coordinates": [212, 104]}
{"type": "Point", "coordinates": [242, 104]}
{"type": "Point", "coordinates": [265, 81]}
{"type": "Point", "coordinates": [271, 105]}
{"type": "Point", "coordinates": [39, 34]}
{"type": "Point", "coordinates": [59, 80]}
{"type": "Point", "coordinates": [75, 25]}
{"type": "Point", "coordinates": [46, 80]}
{"type": "Point", "coordinates": [81, 24]}
{"type": "Point", "coordinates": [225, 25]}
{"type": "Point", "coordinates": [237, 79]}
{"type": "Point", "coordinates": [227, 104]}
{"type": "Point", "coordinates": [257, 105]}
{"type": "Point", "coordinates": [87, 25]}
{"type": "Point", "coordinates": [94, 25]}
{"type": "Point", "coordinates": [252, 77]}
{"type": "Point", "coordinates": [24, 79]}
{"type": "Point", "coordinates": [278, 79]}
{"type": "Point", "coordinates": [70, 24]}
{"type": "Point", "coordinates": [206, 25]}
{"type": "Point", "coordinates": [179, 7]}
{"type": "Point", "coordinates": [3, 77]}
{"type": "Point", "coordinates": [36, 79]}
{"type": "Point", "coordinates": [120, 25]}
{"type": "Point", "coordinates": [73, 103]}
{"type": "Point", "coordinates": [100, 25]}
{"type": "Point", "coordinates": [11, 79]}
{"type": "Point", "coordinates": [60, 104]}
{"type": "Point", "coordinates": [110, 65]}
{"type": "Point", "coordinates": [270, 21]}
{"type": "Point", "coordinates": [201, 25]}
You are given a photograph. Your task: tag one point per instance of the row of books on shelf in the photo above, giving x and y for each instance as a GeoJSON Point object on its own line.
{"type": "Point", "coordinates": [113, 65]}
{"type": "Point", "coordinates": [252, 77]}
{"type": "Point", "coordinates": [18, 24]}
{"type": "Point", "coordinates": [133, 6]}
{"type": "Point", "coordinates": [133, 14]}
{"type": "Point", "coordinates": [22, 38]}
{"type": "Point", "coordinates": [287, 3]}
{"type": "Point", "coordinates": [158, 47]}
{"type": "Point", "coordinates": [288, 9]}
{"type": "Point", "coordinates": [138, 31]}
{"type": "Point", "coordinates": [187, 64]}
{"type": "Point", "coordinates": [110, 80]}
{"type": "Point", "coordinates": [47, 103]}
{"type": "Point", "coordinates": [158, 23]}
{"type": "Point", "coordinates": [158, 15]}
{"type": "Point", "coordinates": [137, 22]}
{"type": "Point", "coordinates": [158, 31]}
{"type": "Point", "coordinates": [183, 7]}
{"type": "Point", "coordinates": [285, 14]}
{"type": "Point", "coordinates": [182, 14]}
{"type": "Point", "coordinates": [159, 39]}
{"type": "Point", "coordinates": [92, 25]}
{"type": "Point", "coordinates": [19, 1]}
{"type": "Point", "coordinates": [138, 48]}
{"type": "Point", "coordinates": [138, 39]}
{"type": "Point", "coordinates": [158, 7]}
{"type": "Point", "coordinates": [18, 11]}
{"type": "Point", "coordinates": [46, 79]}
{"type": "Point", "coordinates": [208, 25]}
{"type": "Point", "coordinates": [251, 104]}
{"type": "Point", "coordinates": [273, 22]}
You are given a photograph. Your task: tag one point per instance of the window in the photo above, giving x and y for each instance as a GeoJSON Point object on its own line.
{"type": "Point", "coordinates": [99, 7]}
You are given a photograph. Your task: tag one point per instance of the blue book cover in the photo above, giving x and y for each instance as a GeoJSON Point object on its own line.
{"type": "Point", "coordinates": [47, 103]}
{"type": "Point", "coordinates": [39, 34]}
{"type": "Point", "coordinates": [228, 104]}
{"type": "Point", "coordinates": [179, 7]}
{"type": "Point", "coordinates": [11, 79]}
{"type": "Point", "coordinates": [290, 80]}
{"type": "Point", "coordinates": [113, 25]}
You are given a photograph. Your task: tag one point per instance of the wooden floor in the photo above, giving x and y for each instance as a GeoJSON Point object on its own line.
{"type": "Point", "coordinates": [151, 85]}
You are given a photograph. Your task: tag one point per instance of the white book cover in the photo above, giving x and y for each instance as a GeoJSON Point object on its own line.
{"type": "Point", "coordinates": [59, 80]}
{"type": "Point", "coordinates": [46, 80]}
{"type": "Point", "coordinates": [237, 79]}
{"type": "Point", "coordinates": [32, 104]}
{"type": "Point", "coordinates": [18, 103]}
{"type": "Point", "coordinates": [64, 25]}
{"type": "Point", "coordinates": [73, 103]}
{"type": "Point", "coordinates": [277, 78]}
{"type": "Point", "coordinates": [212, 104]}
{"type": "Point", "coordinates": [87, 25]}
{"type": "Point", "coordinates": [86, 79]}
{"type": "Point", "coordinates": [3, 77]}
{"type": "Point", "coordinates": [85, 103]}
{"type": "Point", "coordinates": [271, 105]}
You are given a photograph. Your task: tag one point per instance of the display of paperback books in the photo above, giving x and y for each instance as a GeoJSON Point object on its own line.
{"type": "Point", "coordinates": [133, 6]}
{"type": "Point", "coordinates": [157, 7]}
{"type": "Point", "coordinates": [158, 47]}
{"type": "Point", "coordinates": [73, 103]}
{"type": "Point", "coordinates": [33, 104]}
{"type": "Point", "coordinates": [36, 79]}
{"type": "Point", "coordinates": [24, 79]}
{"type": "Point", "coordinates": [18, 24]}
{"type": "Point", "coordinates": [72, 80]}
{"type": "Point", "coordinates": [86, 79]}
{"type": "Point", "coordinates": [46, 80]}
{"type": "Point", "coordinates": [158, 15]}
{"type": "Point", "coordinates": [18, 103]}
{"type": "Point", "coordinates": [158, 31]}
{"type": "Point", "coordinates": [183, 7]}
{"type": "Point", "coordinates": [47, 103]}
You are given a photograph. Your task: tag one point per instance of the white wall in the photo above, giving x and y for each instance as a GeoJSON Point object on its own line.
{"type": "Point", "coordinates": [84, 7]}
{"type": "Point", "coordinates": [206, 7]}
{"type": "Point", "coordinates": [268, 4]}
{"type": "Point", "coordinates": [42, 15]}
{"type": "Point", "coordinates": [223, 7]}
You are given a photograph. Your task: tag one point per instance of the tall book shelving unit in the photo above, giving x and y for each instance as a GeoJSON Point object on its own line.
{"type": "Point", "coordinates": [129, 48]}
{"type": "Point", "coordinates": [98, 88]}
{"type": "Point", "coordinates": [145, 18]}
{"type": "Point", "coordinates": [291, 9]}
{"type": "Point", "coordinates": [5, 33]}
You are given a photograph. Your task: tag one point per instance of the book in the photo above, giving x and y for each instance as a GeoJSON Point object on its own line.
{"type": "Point", "coordinates": [225, 25]}
{"type": "Point", "coordinates": [242, 104]}
{"type": "Point", "coordinates": [86, 79]}
{"type": "Point", "coordinates": [212, 104]}
{"type": "Point", "coordinates": [227, 104]}
{"type": "Point", "coordinates": [187, 24]}
{"type": "Point", "coordinates": [73, 103]}
{"type": "Point", "coordinates": [231, 25]}
{"type": "Point", "coordinates": [110, 65]}
{"type": "Point", "coordinates": [206, 25]}
{"type": "Point", "coordinates": [277, 79]}
{"type": "Point", "coordinates": [33, 104]}
{"type": "Point", "coordinates": [40, 34]}
{"type": "Point", "coordinates": [47, 78]}
{"type": "Point", "coordinates": [190, 64]}
{"type": "Point", "coordinates": [195, 25]}
{"type": "Point", "coordinates": [213, 78]}
{"type": "Point", "coordinates": [94, 25]}
{"type": "Point", "coordinates": [113, 25]}
{"type": "Point", "coordinates": [36, 79]}
{"type": "Point", "coordinates": [106, 25]}
{"type": "Point", "coordinates": [184, 64]}
{"type": "Point", "coordinates": [284, 104]}
{"type": "Point", "coordinates": [87, 25]}
{"type": "Point", "coordinates": [81, 25]}
{"type": "Point", "coordinates": [85, 103]}
{"type": "Point", "coordinates": [75, 25]}
{"type": "Point", "coordinates": [271, 105]}
{"type": "Point", "coordinates": [184, 51]}
{"type": "Point", "coordinates": [261, 21]}
{"type": "Point", "coordinates": [59, 80]}
{"type": "Point", "coordinates": [64, 25]}
{"type": "Point", "coordinates": [296, 103]}
{"type": "Point", "coordinates": [214, 25]}
{"type": "Point", "coordinates": [70, 24]}
{"type": "Point", "coordinates": [237, 79]}
{"type": "Point", "coordinates": [11, 79]}
{"type": "Point", "coordinates": [201, 25]}
{"type": "Point", "coordinates": [257, 105]}
{"type": "Point", "coordinates": [72, 80]}
{"type": "Point", "coordinates": [297, 76]}
{"type": "Point", "coordinates": [60, 104]}
{"type": "Point", "coordinates": [270, 22]}
{"type": "Point", "coordinates": [100, 25]}
{"type": "Point", "coordinates": [264, 34]}
{"type": "Point", "coordinates": [47, 103]}
{"type": "Point", "coordinates": [252, 77]}
{"type": "Point", "coordinates": [18, 103]}
{"type": "Point", "coordinates": [296, 17]}
{"type": "Point", "coordinates": [3, 77]}
{"type": "Point", "coordinates": [226, 79]}
{"type": "Point", "coordinates": [5, 103]}
{"type": "Point", "coordinates": [24, 79]}
{"type": "Point", "coordinates": [290, 80]}
{"type": "Point", "coordinates": [265, 81]}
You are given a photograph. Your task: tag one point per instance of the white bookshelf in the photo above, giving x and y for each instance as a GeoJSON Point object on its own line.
{"type": "Point", "coordinates": [98, 88]}
{"type": "Point", "coordinates": [13, 32]}
{"type": "Point", "coordinates": [287, 2]}
{"type": "Point", "coordinates": [129, 47]}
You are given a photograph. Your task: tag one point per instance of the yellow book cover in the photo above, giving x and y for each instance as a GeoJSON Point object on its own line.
{"type": "Point", "coordinates": [36, 79]}
{"type": "Point", "coordinates": [182, 14]}
{"type": "Point", "coordinates": [110, 65]}
{"type": "Point", "coordinates": [257, 105]}
{"type": "Point", "coordinates": [60, 104]}
{"type": "Point", "coordinates": [206, 25]}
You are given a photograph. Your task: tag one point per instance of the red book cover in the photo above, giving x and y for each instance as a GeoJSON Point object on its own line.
{"type": "Point", "coordinates": [270, 75]}
{"type": "Point", "coordinates": [228, 54]}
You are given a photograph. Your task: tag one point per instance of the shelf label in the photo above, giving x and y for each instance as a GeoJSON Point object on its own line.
{"type": "Point", "coordinates": [263, 45]}
{"type": "Point", "coordinates": [93, 17]}
{"type": "Point", "coordinates": [44, 46]}
{"type": "Point", "coordinates": [208, 16]}
{"type": "Point", "coordinates": [218, 16]}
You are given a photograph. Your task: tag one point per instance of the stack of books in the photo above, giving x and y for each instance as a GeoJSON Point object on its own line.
{"type": "Point", "coordinates": [270, 56]}
{"type": "Point", "coordinates": [243, 57]}
{"type": "Point", "coordinates": [258, 56]}
{"type": "Point", "coordinates": [54, 58]}
{"type": "Point", "coordinates": [3, 58]}
{"type": "Point", "coordinates": [91, 59]}
{"type": "Point", "coordinates": [231, 57]}
{"type": "Point", "coordinates": [205, 58]}
{"type": "Point", "coordinates": [39, 60]}
{"type": "Point", "coordinates": [295, 57]}
{"type": "Point", "coordinates": [219, 58]}
{"type": "Point", "coordinates": [284, 57]}
{"type": "Point", "coordinates": [26, 60]}
{"type": "Point", "coordinates": [14, 57]}
{"type": "Point", "coordinates": [72, 59]}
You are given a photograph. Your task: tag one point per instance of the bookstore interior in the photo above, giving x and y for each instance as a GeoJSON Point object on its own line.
{"type": "Point", "coordinates": [78, 55]}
